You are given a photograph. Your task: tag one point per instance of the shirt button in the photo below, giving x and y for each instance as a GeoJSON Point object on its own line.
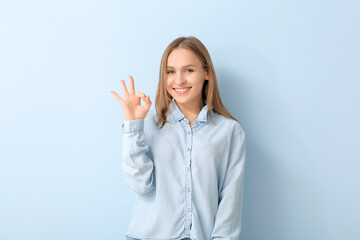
{"type": "Point", "coordinates": [189, 132]}
{"type": "Point", "coordinates": [189, 189]}
{"type": "Point", "coordinates": [189, 210]}
{"type": "Point", "coordinates": [189, 149]}
{"type": "Point", "coordinates": [188, 169]}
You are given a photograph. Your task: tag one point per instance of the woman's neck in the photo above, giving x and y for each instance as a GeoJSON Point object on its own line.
{"type": "Point", "coordinates": [191, 111]}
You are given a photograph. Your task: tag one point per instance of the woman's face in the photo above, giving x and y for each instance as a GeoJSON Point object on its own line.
{"type": "Point", "coordinates": [185, 77]}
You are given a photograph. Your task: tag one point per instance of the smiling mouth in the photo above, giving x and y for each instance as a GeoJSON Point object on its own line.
{"type": "Point", "coordinates": [182, 90]}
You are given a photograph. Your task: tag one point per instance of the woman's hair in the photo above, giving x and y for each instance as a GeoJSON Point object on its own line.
{"type": "Point", "coordinates": [210, 91]}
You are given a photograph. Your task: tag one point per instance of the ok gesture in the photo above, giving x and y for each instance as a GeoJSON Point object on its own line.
{"type": "Point", "coordinates": [131, 104]}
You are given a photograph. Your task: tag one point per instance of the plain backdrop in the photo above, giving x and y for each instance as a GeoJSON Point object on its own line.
{"type": "Point", "coordinates": [287, 70]}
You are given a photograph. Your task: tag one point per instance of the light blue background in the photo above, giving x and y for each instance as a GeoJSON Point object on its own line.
{"type": "Point", "coordinates": [287, 70]}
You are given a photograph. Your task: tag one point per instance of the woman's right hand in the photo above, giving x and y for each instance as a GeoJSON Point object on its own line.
{"type": "Point", "coordinates": [131, 105]}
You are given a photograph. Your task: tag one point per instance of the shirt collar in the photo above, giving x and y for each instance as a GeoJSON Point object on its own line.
{"type": "Point", "coordinates": [178, 115]}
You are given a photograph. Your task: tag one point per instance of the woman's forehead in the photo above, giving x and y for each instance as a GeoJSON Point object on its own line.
{"type": "Point", "coordinates": [182, 57]}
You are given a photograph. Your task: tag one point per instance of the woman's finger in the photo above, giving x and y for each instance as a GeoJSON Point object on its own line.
{"type": "Point", "coordinates": [147, 103]}
{"type": "Point", "coordinates": [124, 89]}
{"type": "Point", "coordinates": [141, 95]}
{"type": "Point", "coordinates": [117, 97]}
{"type": "Point", "coordinates": [132, 86]}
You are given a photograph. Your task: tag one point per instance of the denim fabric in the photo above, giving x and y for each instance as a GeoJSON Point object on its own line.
{"type": "Point", "coordinates": [189, 178]}
{"type": "Point", "coordinates": [130, 238]}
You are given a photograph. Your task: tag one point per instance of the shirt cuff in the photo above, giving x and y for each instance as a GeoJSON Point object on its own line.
{"type": "Point", "coordinates": [133, 125]}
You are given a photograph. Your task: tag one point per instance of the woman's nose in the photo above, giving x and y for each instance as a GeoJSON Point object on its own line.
{"type": "Point", "coordinates": [179, 78]}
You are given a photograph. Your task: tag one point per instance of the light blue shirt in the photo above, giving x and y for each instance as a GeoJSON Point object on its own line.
{"type": "Point", "coordinates": [189, 180]}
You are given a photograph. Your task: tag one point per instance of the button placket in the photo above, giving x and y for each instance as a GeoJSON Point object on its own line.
{"type": "Point", "coordinates": [188, 181]}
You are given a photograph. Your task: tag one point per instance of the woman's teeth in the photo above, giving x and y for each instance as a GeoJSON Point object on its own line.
{"type": "Point", "coordinates": [181, 89]}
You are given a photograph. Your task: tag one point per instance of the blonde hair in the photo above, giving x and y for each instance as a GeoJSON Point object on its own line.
{"type": "Point", "coordinates": [210, 91]}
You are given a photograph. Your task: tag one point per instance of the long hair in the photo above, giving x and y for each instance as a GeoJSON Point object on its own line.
{"type": "Point", "coordinates": [210, 90]}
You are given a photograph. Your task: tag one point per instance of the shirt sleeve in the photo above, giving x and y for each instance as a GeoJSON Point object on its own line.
{"type": "Point", "coordinates": [137, 164]}
{"type": "Point", "coordinates": [229, 214]}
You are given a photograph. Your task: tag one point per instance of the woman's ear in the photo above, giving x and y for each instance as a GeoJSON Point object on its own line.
{"type": "Point", "coordinates": [206, 76]}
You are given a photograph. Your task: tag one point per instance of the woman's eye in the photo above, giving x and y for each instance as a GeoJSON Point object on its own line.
{"type": "Point", "coordinates": [170, 71]}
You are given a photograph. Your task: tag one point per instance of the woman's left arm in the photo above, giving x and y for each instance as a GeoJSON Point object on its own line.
{"type": "Point", "coordinates": [229, 214]}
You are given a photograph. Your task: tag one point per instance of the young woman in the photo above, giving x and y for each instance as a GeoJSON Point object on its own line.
{"type": "Point", "coordinates": [185, 160]}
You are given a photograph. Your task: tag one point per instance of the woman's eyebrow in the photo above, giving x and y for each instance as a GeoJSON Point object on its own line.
{"type": "Point", "coordinates": [189, 65]}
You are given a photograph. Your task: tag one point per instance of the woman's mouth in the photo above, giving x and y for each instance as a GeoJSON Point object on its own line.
{"type": "Point", "coordinates": [182, 90]}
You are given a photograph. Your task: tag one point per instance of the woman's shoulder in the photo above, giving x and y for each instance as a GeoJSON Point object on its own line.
{"type": "Point", "coordinates": [151, 113]}
{"type": "Point", "coordinates": [151, 116]}
{"type": "Point", "coordinates": [151, 119]}
{"type": "Point", "coordinates": [226, 122]}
